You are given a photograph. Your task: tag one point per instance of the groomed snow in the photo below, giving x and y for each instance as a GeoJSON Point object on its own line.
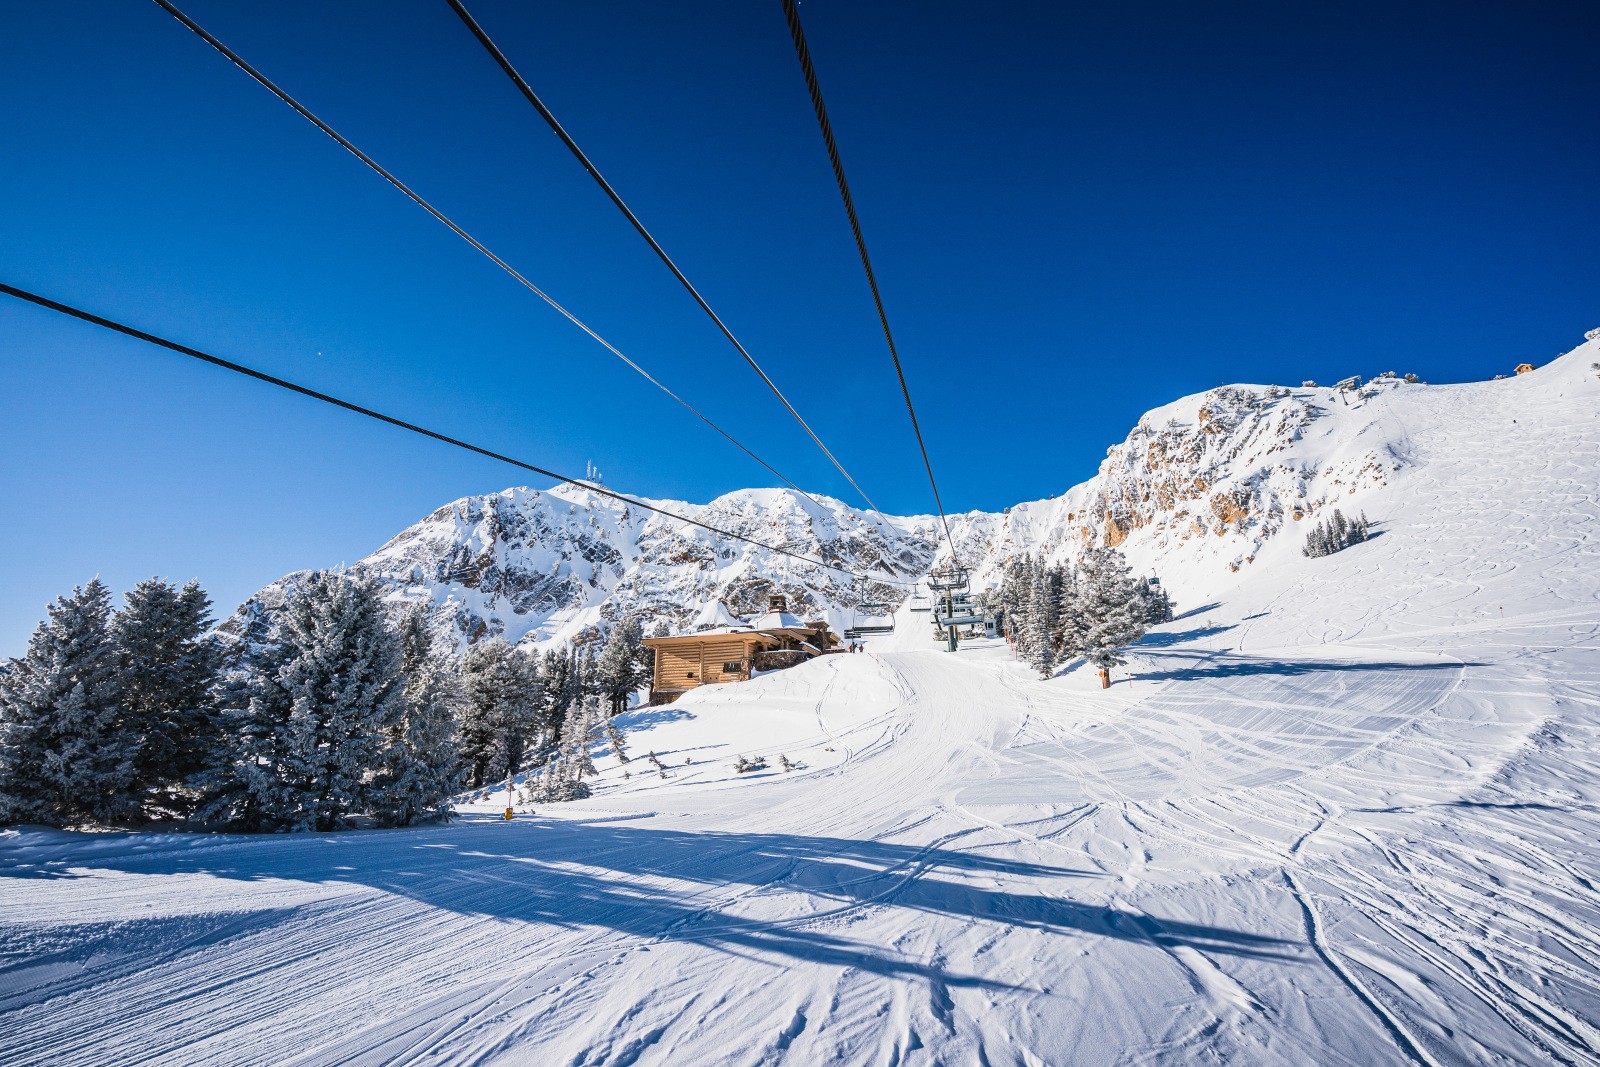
{"type": "Point", "coordinates": [1343, 812]}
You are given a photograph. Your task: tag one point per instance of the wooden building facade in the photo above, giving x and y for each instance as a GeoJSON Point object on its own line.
{"type": "Point", "coordinates": [733, 653]}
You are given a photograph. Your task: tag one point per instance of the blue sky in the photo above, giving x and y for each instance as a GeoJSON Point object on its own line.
{"type": "Point", "coordinates": [1077, 212]}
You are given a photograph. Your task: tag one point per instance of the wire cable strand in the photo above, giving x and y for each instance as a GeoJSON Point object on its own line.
{"type": "Point", "coordinates": [792, 13]}
{"type": "Point", "coordinates": [594, 172]}
{"type": "Point", "coordinates": [281, 383]}
{"type": "Point", "coordinates": [416, 198]}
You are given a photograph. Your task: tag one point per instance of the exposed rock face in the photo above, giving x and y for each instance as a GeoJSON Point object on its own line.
{"type": "Point", "coordinates": [1200, 485]}
{"type": "Point", "coordinates": [1208, 481]}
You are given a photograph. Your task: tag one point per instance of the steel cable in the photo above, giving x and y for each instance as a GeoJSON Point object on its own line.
{"type": "Point", "coordinates": [792, 13]}
{"type": "Point", "coordinates": [544, 112]}
{"type": "Point", "coordinates": [281, 383]}
{"type": "Point", "coordinates": [416, 198]}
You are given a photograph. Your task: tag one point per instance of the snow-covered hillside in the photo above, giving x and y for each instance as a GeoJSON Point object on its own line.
{"type": "Point", "coordinates": [1197, 492]}
{"type": "Point", "coordinates": [1345, 810]}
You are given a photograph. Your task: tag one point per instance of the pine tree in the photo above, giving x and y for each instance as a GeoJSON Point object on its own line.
{"type": "Point", "coordinates": [1113, 608]}
{"type": "Point", "coordinates": [310, 736]}
{"type": "Point", "coordinates": [66, 753]}
{"type": "Point", "coordinates": [421, 769]}
{"type": "Point", "coordinates": [1074, 625]}
{"type": "Point", "coordinates": [617, 670]}
{"type": "Point", "coordinates": [556, 670]}
{"type": "Point", "coordinates": [1016, 595]}
{"type": "Point", "coordinates": [169, 671]}
{"type": "Point", "coordinates": [1336, 533]}
{"type": "Point", "coordinates": [500, 716]}
{"type": "Point", "coordinates": [1042, 623]}
{"type": "Point", "coordinates": [562, 779]}
{"type": "Point", "coordinates": [579, 734]}
{"type": "Point", "coordinates": [619, 744]}
{"type": "Point", "coordinates": [1157, 605]}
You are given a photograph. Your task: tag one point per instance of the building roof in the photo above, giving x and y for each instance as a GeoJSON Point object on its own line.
{"type": "Point", "coordinates": [773, 626]}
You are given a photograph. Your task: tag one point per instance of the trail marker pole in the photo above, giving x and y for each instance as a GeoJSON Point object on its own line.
{"type": "Point", "coordinates": [509, 813]}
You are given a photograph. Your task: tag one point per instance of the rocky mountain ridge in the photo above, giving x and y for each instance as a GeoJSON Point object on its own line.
{"type": "Point", "coordinates": [1199, 489]}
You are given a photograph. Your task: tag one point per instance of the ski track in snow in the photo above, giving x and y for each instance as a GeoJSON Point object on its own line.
{"type": "Point", "coordinates": [1346, 814]}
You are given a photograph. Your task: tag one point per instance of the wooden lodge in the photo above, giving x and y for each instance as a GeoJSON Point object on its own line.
{"type": "Point", "coordinates": [1525, 368]}
{"type": "Point", "coordinates": [732, 653]}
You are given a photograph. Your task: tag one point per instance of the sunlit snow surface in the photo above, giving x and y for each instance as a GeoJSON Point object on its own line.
{"type": "Point", "coordinates": [1344, 812]}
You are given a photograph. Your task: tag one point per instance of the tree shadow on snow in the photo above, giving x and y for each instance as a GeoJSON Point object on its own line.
{"type": "Point", "coordinates": [652, 883]}
{"type": "Point", "coordinates": [1201, 610]}
{"type": "Point", "coordinates": [647, 717]}
{"type": "Point", "coordinates": [1180, 637]}
{"type": "Point", "coordinates": [1236, 666]}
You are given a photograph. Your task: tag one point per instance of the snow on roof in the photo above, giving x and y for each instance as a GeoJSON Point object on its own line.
{"type": "Point", "coordinates": [714, 615]}
{"type": "Point", "coordinates": [777, 620]}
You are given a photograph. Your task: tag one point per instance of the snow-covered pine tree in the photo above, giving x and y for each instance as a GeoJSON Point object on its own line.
{"type": "Point", "coordinates": [169, 671]}
{"type": "Point", "coordinates": [581, 681]}
{"type": "Point", "coordinates": [562, 779]}
{"type": "Point", "coordinates": [1075, 626]}
{"type": "Point", "coordinates": [1316, 541]}
{"type": "Point", "coordinates": [310, 736]}
{"type": "Point", "coordinates": [616, 671]}
{"type": "Point", "coordinates": [619, 744]}
{"type": "Point", "coordinates": [1059, 593]}
{"type": "Point", "coordinates": [555, 672]}
{"type": "Point", "coordinates": [1022, 595]}
{"type": "Point", "coordinates": [1042, 623]}
{"type": "Point", "coordinates": [1157, 605]}
{"type": "Point", "coordinates": [584, 727]}
{"type": "Point", "coordinates": [421, 768]}
{"type": "Point", "coordinates": [1112, 607]}
{"type": "Point", "coordinates": [66, 755]}
{"type": "Point", "coordinates": [1016, 594]}
{"type": "Point", "coordinates": [1336, 533]}
{"type": "Point", "coordinates": [500, 713]}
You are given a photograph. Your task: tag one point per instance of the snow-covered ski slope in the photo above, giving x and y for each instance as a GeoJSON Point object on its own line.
{"type": "Point", "coordinates": [1344, 812]}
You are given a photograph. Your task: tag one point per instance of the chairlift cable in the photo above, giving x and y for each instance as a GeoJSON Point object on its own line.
{"type": "Point", "coordinates": [792, 14]}
{"type": "Point", "coordinates": [344, 143]}
{"type": "Point", "coordinates": [544, 112]}
{"type": "Point", "coordinates": [282, 383]}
